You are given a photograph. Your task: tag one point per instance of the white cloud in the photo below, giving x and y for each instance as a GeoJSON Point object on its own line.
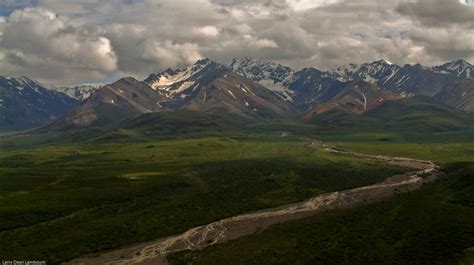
{"type": "Point", "coordinates": [260, 43]}
{"type": "Point", "coordinates": [207, 31]}
{"type": "Point", "coordinates": [265, 43]}
{"type": "Point", "coordinates": [36, 39]}
{"type": "Point", "coordinates": [303, 5]}
{"type": "Point", "coordinates": [169, 54]}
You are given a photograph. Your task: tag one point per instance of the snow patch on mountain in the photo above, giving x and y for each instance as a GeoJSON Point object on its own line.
{"type": "Point", "coordinates": [81, 92]}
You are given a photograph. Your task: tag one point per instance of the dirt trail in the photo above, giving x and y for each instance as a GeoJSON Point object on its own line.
{"type": "Point", "coordinates": [155, 252]}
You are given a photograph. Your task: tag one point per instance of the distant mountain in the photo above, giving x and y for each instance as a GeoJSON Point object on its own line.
{"type": "Point", "coordinates": [355, 97]}
{"type": "Point", "coordinates": [412, 80]}
{"type": "Point", "coordinates": [210, 87]}
{"type": "Point", "coordinates": [81, 92]}
{"type": "Point", "coordinates": [459, 68]}
{"type": "Point", "coordinates": [125, 98]}
{"type": "Point", "coordinates": [25, 103]}
{"type": "Point", "coordinates": [303, 89]}
{"type": "Point", "coordinates": [381, 72]}
{"type": "Point", "coordinates": [409, 80]}
{"type": "Point", "coordinates": [311, 87]}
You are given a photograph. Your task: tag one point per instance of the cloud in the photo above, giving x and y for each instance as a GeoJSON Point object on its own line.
{"type": "Point", "coordinates": [169, 54]}
{"type": "Point", "coordinates": [69, 41]}
{"type": "Point", "coordinates": [439, 13]}
{"type": "Point", "coordinates": [37, 41]}
{"type": "Point", "coordinates": [265, 43]}
{"type": "Point", "coordinates": [260, 43]}
{"type": "Point", "coordinates": [207, 31]}
{"type": "Point", "coordinates": [303, 5]}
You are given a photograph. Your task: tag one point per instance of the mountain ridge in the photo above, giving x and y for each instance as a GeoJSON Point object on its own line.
{"type": "Point", "coordinates": [257, 89]}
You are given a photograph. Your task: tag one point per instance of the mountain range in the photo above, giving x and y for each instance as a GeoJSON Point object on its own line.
{"type": "Point", "coordinates": [247, 88]}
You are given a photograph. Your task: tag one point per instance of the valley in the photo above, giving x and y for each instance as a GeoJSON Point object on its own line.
{"type": "Point", "coordinates": [236, 132]}
{"type": "Point", "coordinates": [141, 187]}
{"type": "Point", "coordinates": [241, 225]}
{"type": "Point", "coordinates": [205, 178]}
{"type": "Point", "coordinates": [211, 158]}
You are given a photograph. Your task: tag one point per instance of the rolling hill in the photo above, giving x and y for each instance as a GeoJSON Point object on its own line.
{"type": "Point", "coordinates": [404, 115]}
{"type": "Point", "coordinates": [123, 99]}
{"type": "Point", "coordinates": [355, 97]}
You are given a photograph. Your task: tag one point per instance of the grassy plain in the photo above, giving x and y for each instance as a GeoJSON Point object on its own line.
{"type": "Point", "coordinates": [58, 202]}
{"type": "Point", "coordinates": [67, 193]}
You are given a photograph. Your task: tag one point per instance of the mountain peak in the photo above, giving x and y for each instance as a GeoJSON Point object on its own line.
{"type": "Point", "coordinates": [461, 62]}
{"type": "Point", "coordinates": [128, 79]}
{"type": "Point", "coordinates": [173, 82]}
{"type": "Point", "coordinates": [238, 64]}
{"type": "Point", "coordinates": [382, 61]}
{"type": "Point", "coordinates": [204, 61]}
{"type": "Point", "coordinates": [460, 68]}
{"type": "Point", "coordinates": [271, 75]}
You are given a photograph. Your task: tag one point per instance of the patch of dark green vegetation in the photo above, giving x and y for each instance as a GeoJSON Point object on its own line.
{"type": "Point", "coordinates": [430, 226]}
{"type": "Point", "coordinates": [60, 202]}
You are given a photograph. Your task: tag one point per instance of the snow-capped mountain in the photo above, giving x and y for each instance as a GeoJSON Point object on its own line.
{"type": "Point", "coordinates": [406, 78]}
{"type": "Point", "coordinates": [411, 80]}
{"type": "Point", "coordinates": [378, 71]}
{"type": "Point", "coordinates": [80, 92]}
{"type": "Point", "coordinates": [273, 76]}
{"type": "Point", "coordinates": [25, 103]}
{"type": "Point", "coordinates": [175, 83]}
{"type": "Point", "coordinates": [210, 87]}
{"type": "Point", "coordinates": [459, 68]}
{"type": "Point", "coordinates": [302, 89]}
{"type": "Point", "coordinates": [309, 87]}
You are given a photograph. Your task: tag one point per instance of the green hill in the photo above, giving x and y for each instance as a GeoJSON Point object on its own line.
{"type": "Point", "coordinates": [408, 115]}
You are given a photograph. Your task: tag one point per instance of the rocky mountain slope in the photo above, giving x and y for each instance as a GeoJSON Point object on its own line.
{"type": "Point", "coordinates": [355, 97]}
{"type": "Point", "coordinates": [273, 76]}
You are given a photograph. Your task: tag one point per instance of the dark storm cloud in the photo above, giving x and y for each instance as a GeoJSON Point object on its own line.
{"type": "Point", "coordinates": [68, 41]}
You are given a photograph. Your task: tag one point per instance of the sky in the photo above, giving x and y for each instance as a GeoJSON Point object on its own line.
{"type": "Point", "coordinates": [71, 42]}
